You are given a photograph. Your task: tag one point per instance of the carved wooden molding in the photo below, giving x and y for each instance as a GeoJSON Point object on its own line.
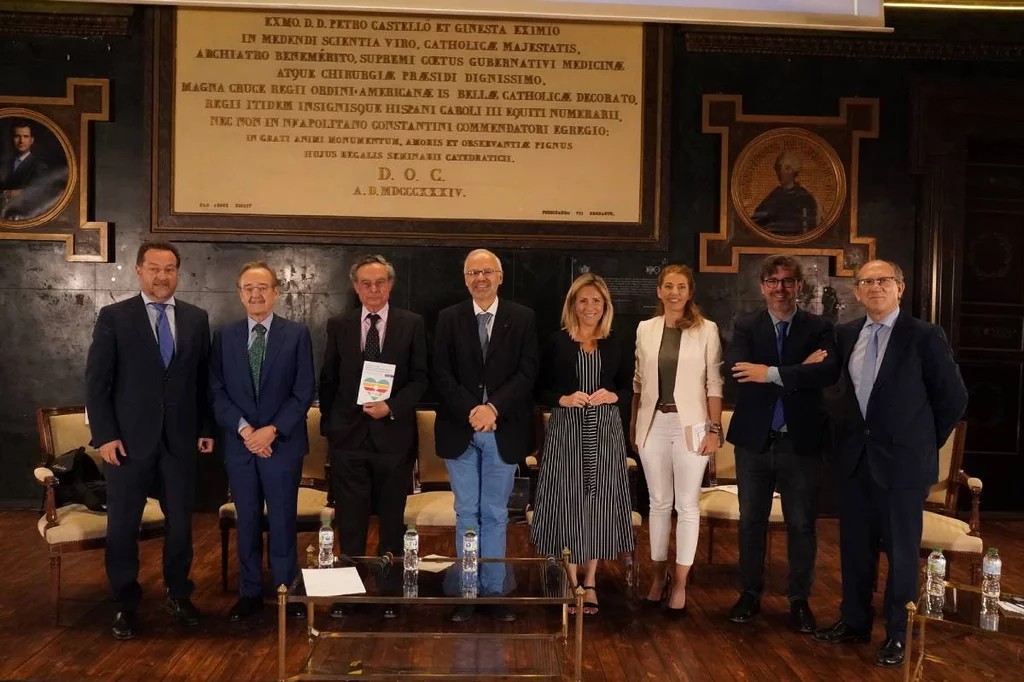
{"type": "Point", "coordinates": [39, 23]}
{"type": "Point", "coordinates": [859, 48]}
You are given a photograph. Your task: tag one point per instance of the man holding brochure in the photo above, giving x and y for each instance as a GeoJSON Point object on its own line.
{"type": "Point", "coordinates": [374, 374]}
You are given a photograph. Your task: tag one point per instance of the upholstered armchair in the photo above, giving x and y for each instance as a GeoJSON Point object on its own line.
{"type": "Point", "coordinates": [431, 506]}
{"type": "Point", "coordinates": [72, 527]}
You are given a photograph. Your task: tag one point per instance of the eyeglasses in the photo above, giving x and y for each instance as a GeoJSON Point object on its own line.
{"type": "Point", "coordinates": [250, 289]}
{"type": "Point", "coordinates": [884, 282]}
{"type": "Point", "coordinates": [489, 272]}
{"type": "Point", "coordinates": [772, 282]}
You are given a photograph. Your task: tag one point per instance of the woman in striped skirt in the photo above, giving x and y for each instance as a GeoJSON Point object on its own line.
{"type": "Point", "coordinates": [583, 493]}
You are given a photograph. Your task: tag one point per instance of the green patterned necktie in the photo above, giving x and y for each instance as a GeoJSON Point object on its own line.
{"type": "Point", "coordinates": [256, 352]}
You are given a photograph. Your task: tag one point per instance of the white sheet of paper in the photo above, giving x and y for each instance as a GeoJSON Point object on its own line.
{"type": "Point", "coordinates": [435, 566]}
{"type": "Point", "coordinates": [731, 489]}
{"type": "Point", "coordinates": [332, 582]}
{"type": "Point", "coordinates": [1010, 607]}
{"type": "Point", "coordinates": [699, 431]}
{"type": "Point", "coordinates": [376, 382]}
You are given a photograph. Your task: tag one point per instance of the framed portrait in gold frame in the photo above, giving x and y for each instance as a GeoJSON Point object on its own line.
{"type": "Point", "coordinates": [788, 183]}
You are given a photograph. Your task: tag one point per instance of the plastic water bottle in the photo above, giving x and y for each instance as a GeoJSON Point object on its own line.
{"type": "Point", "coordinates": [936, 582]}
{"type": "Point", "coordinates": [326, 556]}
{"type": "Point", "coordinates": [991, 569]}
{"type": "Point", "coordinates": [470, 552]}
{"type": "Point", "coordinates": [411, 555]}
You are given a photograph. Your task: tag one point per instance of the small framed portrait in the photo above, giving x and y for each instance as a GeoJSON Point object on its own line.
{"type": "Point", "coordinates": [788, 185]}
{"type": "Point", "coordinates": [37, 169]}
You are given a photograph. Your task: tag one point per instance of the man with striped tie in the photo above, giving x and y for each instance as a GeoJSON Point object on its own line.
{"type": "Point", "coordinates": [262, 382]}
{"type": "Point", "coordinates": [146, 395]}
{"type": "Point", "coordinates": [903, 397]}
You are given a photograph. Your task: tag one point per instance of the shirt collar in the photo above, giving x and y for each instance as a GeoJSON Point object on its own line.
{"type": "Point", "coordinates": [493, 310]}
{"type": "Point", "coordinates": [266, 323]}
{"type": "Point", "coordinates": [383, 312]}
{"type": "Point", "coordinates": [147, 300]}
{"type": "Point", "coordinates": [776, 320]}
{"type": "Point", "coordinates": [24, 156]}
{"type": "Point", "coordinates": [887, 321]}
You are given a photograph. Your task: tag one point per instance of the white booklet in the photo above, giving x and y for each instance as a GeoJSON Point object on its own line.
{"type": "Point", "coordinates": [332, 582]}
{"type": "Point", "coordinates": [695, 436]}
{"type": "Point", "coordinates": [376, 382]}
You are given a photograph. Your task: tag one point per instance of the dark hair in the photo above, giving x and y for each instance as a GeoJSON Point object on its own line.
{"type": "Point", "coordinates": [691, 318]}
{"type": "Point", "coordinates": [24, 123]}
{"type": "Point", "coordinates": [257, 265]}
{"type": "Point", "coordinates": [157, 246]}
{"type": "Point", "coordinates": [375, 259]}
{"type": "Point", "coordinates": [784, 261]}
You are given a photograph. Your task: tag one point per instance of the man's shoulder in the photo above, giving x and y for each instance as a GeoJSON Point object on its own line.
{"type": "Point", "coordinates": [517, 309]}
{"type": "Point", "coordinates": [750, 319]}
{"type": "Point", "coordinates": [188, 308]}
{"type": "Point", "coordinates": [403, 315]}
{"type": "Point", "coordinates": [814, 321]}
{"type": "Point", "coordinates": [119, 308]}
{"type": "Point", "coordinates": [455, 309]}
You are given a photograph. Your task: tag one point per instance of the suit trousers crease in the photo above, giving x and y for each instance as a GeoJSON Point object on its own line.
{"type": "Point", "coordinates": [173, 477]}
{"type": "Point", "coordinates": [361, 479]}
{"type": "Point", "coordinates": [797, 478]}
{"type": "Point", "coordinates": [875, 518]}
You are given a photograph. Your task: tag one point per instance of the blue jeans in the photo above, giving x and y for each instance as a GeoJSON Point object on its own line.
{"type": "Point", "coordinates": [482, 483]}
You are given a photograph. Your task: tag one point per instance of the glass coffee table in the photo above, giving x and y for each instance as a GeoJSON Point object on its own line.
{"type": "Point", "coordinates": [964, 613]}
{"type": "Point", "coordinates": [392, 654]}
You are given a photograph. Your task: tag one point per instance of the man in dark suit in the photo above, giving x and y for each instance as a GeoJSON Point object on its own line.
{"type": "Point", "coordinates": [20, 172]}
{"type": "Point", "coordinates": [485, 365]}
{"type": "Point", "coordinates": [903, 397]}
{"type": "Point", "coordinates": [782, 358]}
{"type": "Point", "coordinates": [372, 445]}
{"type": "Point", "coordinates": [146, 395]}
{"type": "Point", "coordinates": [262, 383]}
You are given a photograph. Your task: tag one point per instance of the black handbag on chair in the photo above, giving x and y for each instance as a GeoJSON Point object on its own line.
{"type": "Point", "coordinates": [519, 500]}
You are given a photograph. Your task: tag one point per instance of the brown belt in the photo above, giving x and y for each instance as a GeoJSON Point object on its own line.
{"type": "Point", "coordinates": [666, 408]}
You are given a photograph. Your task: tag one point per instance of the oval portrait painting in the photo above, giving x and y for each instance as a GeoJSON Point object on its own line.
{"type": "Point", "coordinates": [37, 169]}
{"type": "Point", "coordinates": [788, 185]}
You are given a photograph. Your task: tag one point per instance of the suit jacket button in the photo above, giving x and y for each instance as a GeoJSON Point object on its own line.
{"type": "Point", "coordinates": [479, 385]}
{"type": "Point", "coordinates": [867, 432]}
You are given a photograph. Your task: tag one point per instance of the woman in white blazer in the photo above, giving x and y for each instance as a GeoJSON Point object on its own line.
{"type": "Point", "coordinates": [676, 423]}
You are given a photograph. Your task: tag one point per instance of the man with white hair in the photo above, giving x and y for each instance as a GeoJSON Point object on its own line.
{"type": "Point", "coordinates": [485, 365]}
{"type": "Point", "coordinates": [789, 209]}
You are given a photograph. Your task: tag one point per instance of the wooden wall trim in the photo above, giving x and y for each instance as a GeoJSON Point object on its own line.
{"type": "Point", "coordinates": [40, 23]}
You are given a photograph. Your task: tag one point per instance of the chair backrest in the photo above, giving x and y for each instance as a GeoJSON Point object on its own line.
{"type": "Point", "coordinates": [315, 463]}
{"type": "Point", "coordinates": [432, 470]}
{"type": "Point", "coordinates": [951, 458]}
{"type": "Point", "coordinates": [62, 429]}
{"type": "Point", "coordinates": [722, 467]}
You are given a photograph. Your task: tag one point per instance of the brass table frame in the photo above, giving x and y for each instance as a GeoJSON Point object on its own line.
{"type": "Point", "coordinates": [913, 670]}
{"type": "Point", "coordinates": [285, 596]}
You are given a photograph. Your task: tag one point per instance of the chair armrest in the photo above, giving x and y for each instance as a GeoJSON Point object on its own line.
{"type": "Point", "coordinates": [975, 486]}
{"type": "Point", "coordinates": [46, 478]}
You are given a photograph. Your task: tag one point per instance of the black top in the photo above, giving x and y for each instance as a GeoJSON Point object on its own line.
{"type": "Point", "coordinates": [558, 373]}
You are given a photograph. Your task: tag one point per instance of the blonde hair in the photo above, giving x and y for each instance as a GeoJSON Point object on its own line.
{"type": "Point", "coordinates": [691, 318]}
{"type": "Point", "coordinates": [571, 321]}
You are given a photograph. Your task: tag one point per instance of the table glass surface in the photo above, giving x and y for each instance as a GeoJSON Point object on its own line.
{"type": "Point", "coordinates": [966, 608]}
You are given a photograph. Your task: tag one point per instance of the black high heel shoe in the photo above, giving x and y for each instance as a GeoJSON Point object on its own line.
{"type": "Point", "coordinates": [653, 603]}
{"type": "Point", "coordinates": [677, 613]}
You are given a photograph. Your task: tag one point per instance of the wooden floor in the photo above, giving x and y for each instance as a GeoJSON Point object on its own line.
{"type": "Point", "coordinates": [624, 643]}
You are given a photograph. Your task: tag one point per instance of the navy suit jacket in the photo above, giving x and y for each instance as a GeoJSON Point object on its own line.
{"type": "Point", "coordinates": [286, 385]}
{"type": "Point", "coordinates": [754, 340]}
{"type": "Point", "coordinates": [916, 401]}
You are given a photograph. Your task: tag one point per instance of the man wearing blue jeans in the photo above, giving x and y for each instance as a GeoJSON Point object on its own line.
{"type": "Point", "coordinates": [485, 365]}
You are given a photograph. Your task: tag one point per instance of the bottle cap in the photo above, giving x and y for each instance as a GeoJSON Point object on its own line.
{"type": "Point", "coordinates": [472, 528]}
{"type": "Point", "coordinates": [993, 550]}
{"type": "Point", "coordinates": [411, 526]}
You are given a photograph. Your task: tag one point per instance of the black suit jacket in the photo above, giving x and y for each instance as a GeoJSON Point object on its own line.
{"type": "Point", "coordinates": [558, 375]}
{"type": "Point", "coordinates": [405, 346]}
{"type": "Point", "coordinates": [509, 373]}
{"type": "Point", "coordinates": [754, 340]}
{"type": "Point", "coordinates": [32, 169]}
{"type": "Point", "coordinates": [131, 397]}
{"type": "Point", "coordinates": [916, 401]}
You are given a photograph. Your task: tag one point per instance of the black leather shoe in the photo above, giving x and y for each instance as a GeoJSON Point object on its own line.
{"type": "Point", "coordinates": [183, 610]}
{"type": "Point", "coordinates": [462, 613]}
{"type": "Point", "coordinates": [126, 625]}
{"type": "Point", "coordinates": [891, 654]}
{"type": "Point", "coordinates": [340, 610]}
{"type": "Point", "coordinates": [245, 607]}
{"type": "Point", "coordinates": [390, 611]}
{"type": "Point", "coordinates": [801, 618]}
{"type": "Point", "coordinates": [745, 609]}
{"type": "Point", "coordinates": [295, 611]}
{"type": "Point", "coordinates": [501, 613]}
{"type": "Point", "coordinates": [840, 632]}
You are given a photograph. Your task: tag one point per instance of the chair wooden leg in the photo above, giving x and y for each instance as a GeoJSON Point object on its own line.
{"type": "Point", "coordinates": [768, 553]}
{"type": "Point", "coordinates": [55, 584]}
{"type": "Point", "coordinates": [224, 558]}
{"type": "Point", "coordinates": [975, 569]}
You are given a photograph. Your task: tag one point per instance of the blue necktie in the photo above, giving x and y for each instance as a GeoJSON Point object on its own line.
{"type": "Point", "coordinates": [17, 162]}
{"type": "Point", "coordinates": [868, 369]}
{"type": "Point", "coordinates": [481, 327]}
{"type": "Point", "coordinates": [163, 333]}
{"type": "Point", "coordinates": [778, 418]}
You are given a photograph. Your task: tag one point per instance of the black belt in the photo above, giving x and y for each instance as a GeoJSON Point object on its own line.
{"type": "Point", "coordinates": [778, 435]}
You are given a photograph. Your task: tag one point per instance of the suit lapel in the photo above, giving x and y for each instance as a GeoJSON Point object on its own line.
{"type": "Point", "coordinates": [140, 320]}
{"type": "Point", "coordinates": [182, 330]}
{"type": "Point", "coordinates": [470, 326]}
{"type": "Point", "coordinates": [499, 331]}
{"type": "Point", "coordinates": [275, 340]}
{"type": "Point", "coordinates": [238, 349]}
{"type": "Point", "coordinates": [767, 336]}
{"type": "Point", "coordinates": [391, 333]}
{"type": "Point", "coordinates": [898, 338]}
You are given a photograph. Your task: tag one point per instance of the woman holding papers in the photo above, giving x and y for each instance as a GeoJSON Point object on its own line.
{"type": "Point", "coordinates": [676, 423]}
{"type": "Point", "coordinates": [582, 500]}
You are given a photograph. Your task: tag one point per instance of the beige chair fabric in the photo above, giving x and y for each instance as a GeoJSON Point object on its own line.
{"type": "Point", "coordinates": [431, 508]}
{"type": "Point", "coordinates": [949, 534]}
{"type": "Point", "coordinates": [312, 508]}
{"type": "Point", "coordinates": [77, 523]}
{"type": "Point", "coordinates": [719, 504]}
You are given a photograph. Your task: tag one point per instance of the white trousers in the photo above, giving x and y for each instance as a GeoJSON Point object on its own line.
{"type": "Point", "coordinates": [673, 472]}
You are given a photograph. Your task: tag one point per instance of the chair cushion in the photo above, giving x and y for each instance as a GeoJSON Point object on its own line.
{"type": "Point", "coordinates": [434, 508]}
{"type": "Point", "coordinates": [719, 504]}
{"type": "Point", "coordinates": [949, 534]}
{"type": "Point", "coordinates": [312, 507]}
{"type": "Point", "coordinates": [77, 523]}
